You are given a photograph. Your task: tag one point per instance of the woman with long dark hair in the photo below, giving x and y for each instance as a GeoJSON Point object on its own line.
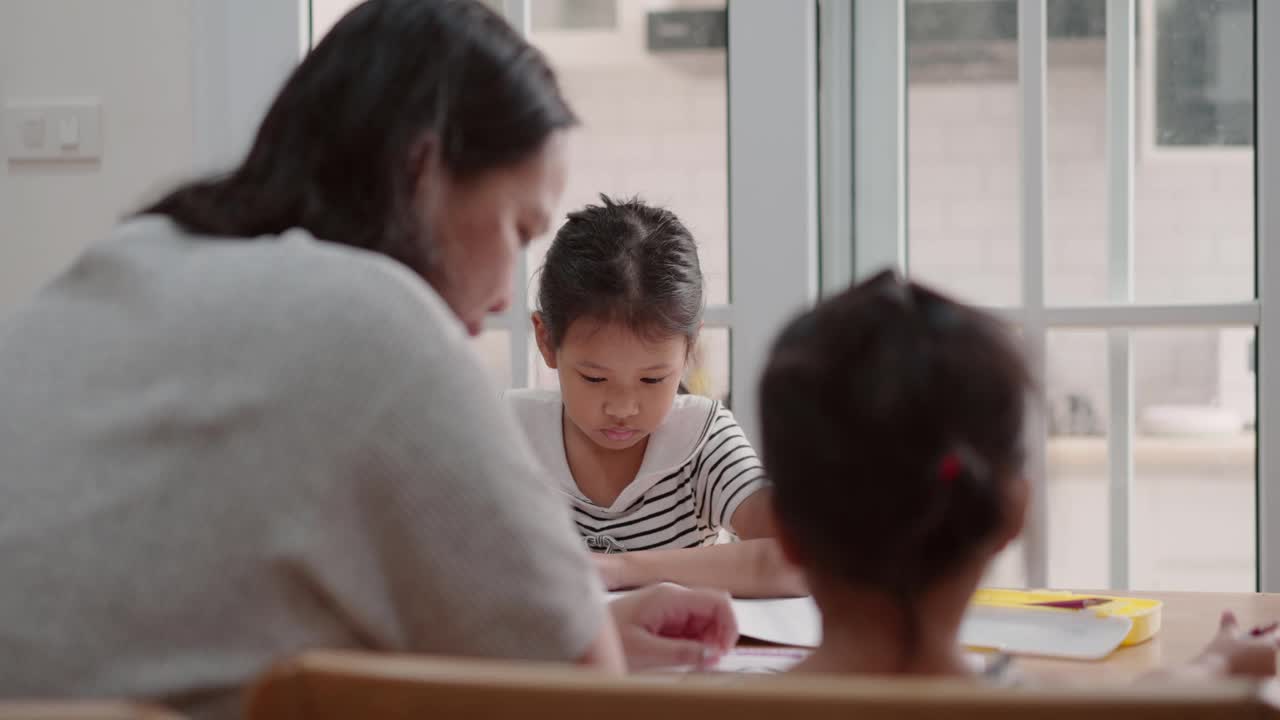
{"type": "Point", "coordinates": [242, 425]}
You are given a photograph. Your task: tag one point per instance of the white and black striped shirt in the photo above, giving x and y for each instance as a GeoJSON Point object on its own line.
{"type": "Point", "coordinates": [697, 470]}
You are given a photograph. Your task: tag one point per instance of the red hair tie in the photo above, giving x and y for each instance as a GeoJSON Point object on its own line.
{"type": "Point", "coordinates": [950, 468]}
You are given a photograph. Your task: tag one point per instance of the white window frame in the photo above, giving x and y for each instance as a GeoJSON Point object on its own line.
{"type": "Point", "coordinates": [881, 241]}
{"type": "Point", "coordinates": [245, 49]}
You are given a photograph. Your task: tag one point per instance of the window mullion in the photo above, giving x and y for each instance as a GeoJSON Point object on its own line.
{"type": "Point", "coordinates": [1119, 90]}
{"type": "Point", "coordinates": [1267, 157]}
{"type": "Point", "coordinates": [1032, 67]}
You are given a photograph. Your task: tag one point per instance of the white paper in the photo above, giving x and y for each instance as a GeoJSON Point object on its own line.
{"type": "Point", "coordinates": [786, 621]}
{"type": "Point", "coordinates": [760, 660]}
{"type": "Point", "coordinates": [1082, 635]}
{"type": "Point", "coordinates": [1079, 635]}
{"type": "Point", "coordinates": [790, 621]}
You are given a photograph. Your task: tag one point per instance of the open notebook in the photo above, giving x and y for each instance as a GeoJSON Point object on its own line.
{"type": "Point", "coordinates": [784, 621]}
{"type": "Point", "coordinates": [796, 622]}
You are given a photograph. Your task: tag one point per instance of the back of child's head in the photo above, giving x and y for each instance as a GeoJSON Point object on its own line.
{"type": "Point", "coordinates": [892, 427]}
{"type": "Point", "coordinates": [622, 262]}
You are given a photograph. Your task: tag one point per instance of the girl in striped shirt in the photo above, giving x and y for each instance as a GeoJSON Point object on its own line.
{"type": "Point", "coordinates": [653, 475]}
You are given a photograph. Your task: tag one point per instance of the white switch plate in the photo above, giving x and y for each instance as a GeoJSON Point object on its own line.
{"type": "Point", "coordinates": [43, 129]}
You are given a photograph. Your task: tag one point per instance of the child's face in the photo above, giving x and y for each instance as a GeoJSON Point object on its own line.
{"type": "Point", "coordinates": [617, 386]}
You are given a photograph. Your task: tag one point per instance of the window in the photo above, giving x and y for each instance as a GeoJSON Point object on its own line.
{"type": "Point", "coordinates": [1129, 272]}
{"type": "Point", "coordinates": [653, 102]}
{"type": "Point", "coordinates": [654, 125]}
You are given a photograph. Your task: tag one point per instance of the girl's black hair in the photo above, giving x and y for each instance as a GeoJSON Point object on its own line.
{"type": "Point", "coordinates": [340, 150]}
{"type": "Point", "coordinates": [892, 422]}
{"type": "Point", "coordinates": [623, 261]}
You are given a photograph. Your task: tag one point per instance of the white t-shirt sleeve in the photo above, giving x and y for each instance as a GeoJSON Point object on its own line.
{"type": "Point", "coordinates": [727, 473]}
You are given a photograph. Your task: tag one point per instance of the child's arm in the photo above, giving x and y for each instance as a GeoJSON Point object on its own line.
{"type": "Point", "coordinates": [754, 517]}
{"type": "Point", "coordinates": [731, 492]}
{"type": "Point", "coordinates": [752, 568]}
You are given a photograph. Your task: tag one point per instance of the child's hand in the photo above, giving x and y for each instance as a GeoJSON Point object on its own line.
{"type": "Point", "coordinates": [671, 626]}
{"type": "Point", "coordinates": [1233, 651]}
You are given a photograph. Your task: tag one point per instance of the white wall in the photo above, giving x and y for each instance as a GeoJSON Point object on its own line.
{"type": "Point", "coordinates": [135, 55]}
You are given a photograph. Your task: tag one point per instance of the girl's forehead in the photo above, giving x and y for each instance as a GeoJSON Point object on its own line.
{"type": "Point", "coordinates": [587, 336]}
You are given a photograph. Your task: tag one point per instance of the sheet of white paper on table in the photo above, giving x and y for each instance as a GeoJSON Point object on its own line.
{"type": "Point", "coordinates": [1078, 635]}
{"type": "Point", "coordinates": [1073, 635]}
{"type": "Point", "coordinates": [785, 621]}
{"type": "Point", "coordinates": [760, 660]}
{"type": "Point", "coordinates": [788, 621]}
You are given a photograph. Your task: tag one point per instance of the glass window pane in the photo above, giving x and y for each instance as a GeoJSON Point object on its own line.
{"type": "Point", "coordinates": [1193, 167]}
{"type": "Point", "coordinates": [1193, 185]}
{"type": "Point", "coordinates": [1193, 496]}
{"type": "Point", "coordinates": [1076, 215]}
{"type": "Point", "coordinates": [654, 121]}
{"type": "Point", "coordinates": [1193, 160]}
{"type": "Point", "coordinates": [1077, 459]}
{"type": "Point", "coordinates": [709, 367]}
{"type": "Point", "coordinates": [1203, 73]}
{"type": "Point", "coordinates": [325, 13]}
{"type": "Point", "coordinates": [962, 148]}
{"type": "Point", "coordinates": [1194, 460]}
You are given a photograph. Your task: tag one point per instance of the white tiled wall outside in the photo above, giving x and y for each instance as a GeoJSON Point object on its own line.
{"type": "Point", "coordinates": [1193, 224]}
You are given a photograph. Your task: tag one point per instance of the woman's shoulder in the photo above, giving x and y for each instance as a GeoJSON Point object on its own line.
{"type": "Point", "coordinates": [322, 303]}
{"type": "Point", "coordinates": [532, 397]}
{"type": "Point", "coordinates": [288, 266]}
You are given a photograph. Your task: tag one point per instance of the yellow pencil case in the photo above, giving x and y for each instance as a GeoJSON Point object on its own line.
{"type": "Point", "coordinates": [1143, 612]}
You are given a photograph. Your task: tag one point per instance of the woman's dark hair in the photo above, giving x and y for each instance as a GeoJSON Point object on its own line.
{"type": "Point", "coordinates": [892, 423]}
{"type": "Point", "coordinates": [340, 150]}
{"type": "Point", "coordinates": [627, 262]}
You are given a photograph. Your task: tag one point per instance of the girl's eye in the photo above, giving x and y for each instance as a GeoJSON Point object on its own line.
{"type": "Point", "coordinates": [590, 379]}
{"type": "Point", "coordinates": [652, 381]}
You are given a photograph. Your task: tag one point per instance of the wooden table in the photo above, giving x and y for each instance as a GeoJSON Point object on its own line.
{"type": "Point", "coordinates": [1189, 620]}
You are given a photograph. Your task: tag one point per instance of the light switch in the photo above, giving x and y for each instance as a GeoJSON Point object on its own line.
{"type": "Point", "coordinates": [52, 129]}
{"type": "Point", "coordinates": [69, 131]}
{"type": "Point", "coordinates": [33, 131]}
